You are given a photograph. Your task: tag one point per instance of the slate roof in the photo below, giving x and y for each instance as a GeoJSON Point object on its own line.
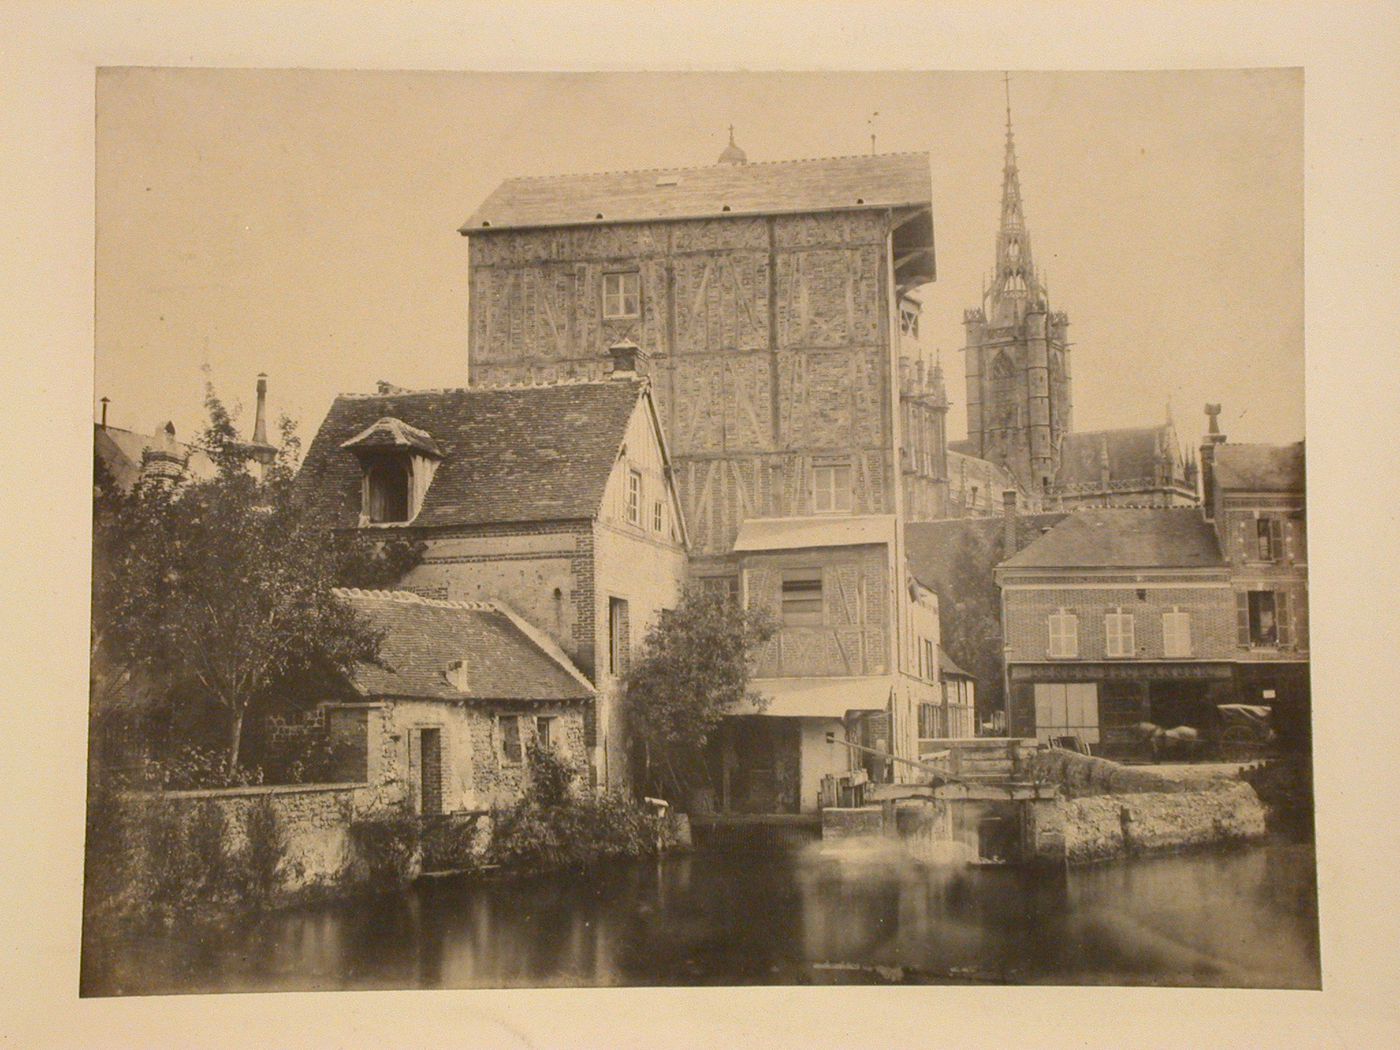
{"type": "Point", "coordinates": [506, 658]}
{"type": "Point", "coordinates": [512, 454]}
{"type": "Point", "coordinates": [772, 188]}
{"type": "Point", "coordinates": [1260, 468]}
{"type": "Point", "coordinates": [1122, 537]}
{"type": "Point", "coordinates": [1132, 454]}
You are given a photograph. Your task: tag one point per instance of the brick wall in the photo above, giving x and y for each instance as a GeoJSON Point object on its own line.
{"type": "Point", "coordinates": [1211, 610]}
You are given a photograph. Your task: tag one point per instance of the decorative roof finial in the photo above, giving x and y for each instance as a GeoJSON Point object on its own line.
{"type": "Point", "coordinates": [732, 153]}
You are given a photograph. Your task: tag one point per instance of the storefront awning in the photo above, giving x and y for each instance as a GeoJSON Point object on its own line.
{"type": "Point", "coordinates": [820, 697]}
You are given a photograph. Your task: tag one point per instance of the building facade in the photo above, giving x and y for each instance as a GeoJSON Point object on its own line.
{"type": "Point", "coordinates": [556, 500]}
{"type": "Point", "coordinates": [1255, 498]}
{"type": "Point", "coordinates": [772, 307]}
{"type": "Point", "coordinates": [1116, 617]}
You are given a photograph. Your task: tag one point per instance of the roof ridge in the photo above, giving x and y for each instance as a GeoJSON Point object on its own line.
{"type": "Point", "coordinates": [480, 387]}
{"type": "Point", "coordinates": [412, 598]}
{"type": "Point", "coordinates": [706, 167]}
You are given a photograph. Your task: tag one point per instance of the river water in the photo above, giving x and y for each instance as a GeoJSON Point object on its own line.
{"type": "Point", "coordinates": [1240, 918]}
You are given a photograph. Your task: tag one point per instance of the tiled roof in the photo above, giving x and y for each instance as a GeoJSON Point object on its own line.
{"type": "Point", "coordinates": [822, 184]}
{"type": "Point", "coordinates": [504, 657]}
{"type": "Point", "coordinates": [1260, 468]}
{"type": "Point", "coordinates": [511, 454]}
{"type": "Point", "coordinates": [1118, 537]}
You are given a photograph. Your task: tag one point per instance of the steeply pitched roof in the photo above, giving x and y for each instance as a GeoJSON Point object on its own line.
{"type": "Point", "coordinates": [1132, 454]}
{"type": "Point", "coordinates": [1118, 537]}
{"type": "Point", "coordinates": [541, 453]}
{"type": "Point", "coordinates": [778, 187]}
{"type": "Point", "coordinates": [1260, 468]}
{"type": "Point", "coordinates": [505, 658]}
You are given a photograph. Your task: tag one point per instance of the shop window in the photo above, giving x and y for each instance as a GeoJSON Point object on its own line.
{"type": "Point", "coordinates": [802, 597]}
{"type": "Point", "coordinates": [622, 294]}
{"type": "Point", "coordinates": [1067, 709]}
{"type": "Point", "coordinates": [1064, 634]}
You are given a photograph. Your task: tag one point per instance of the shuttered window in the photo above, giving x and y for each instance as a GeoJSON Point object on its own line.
{"type": "Point", "coordinates": [1064, 634]}
{"type": "Point", "coordinates": [1176, 633]}
{"type": "Point", "coordinates": [1118, 633]}
{"type": "Point", "coordinates": [1242, 619]}
{"type": "Point", "coordinates": [1269, 537]}
{"type": "Point", "coordinates": [1283, 609]}
{"type": "Point", "coordinates": [802, 597]}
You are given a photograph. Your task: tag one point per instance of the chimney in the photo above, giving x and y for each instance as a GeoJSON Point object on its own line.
{"type": "Point", "coordinates": [1213, 437]}
{"type": "Point", "coordinates": [260, 423]}
{"type": "Point", "coordinates": [105, 402]}
{"type": "Point", "coordinates": [627, 358]}
{"type": "Point", "coordinates": [456, 675]}
{"type": "Point", "coordinates": [1008, 523]}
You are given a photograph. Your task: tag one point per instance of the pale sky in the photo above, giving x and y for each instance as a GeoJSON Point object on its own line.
{"type": "Point", "coordinates": [303, 223]}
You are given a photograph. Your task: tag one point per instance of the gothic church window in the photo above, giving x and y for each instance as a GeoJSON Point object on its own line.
{"type": "Point", "coordinates": [1003, 392]}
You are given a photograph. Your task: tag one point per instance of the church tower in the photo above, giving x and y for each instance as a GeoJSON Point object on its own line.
{"type": "Point", "coordinates": [1017, 366]}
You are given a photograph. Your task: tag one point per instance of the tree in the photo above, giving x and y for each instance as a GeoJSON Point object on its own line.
{"type": "Point", "coordinates": [220, 591]}
{"type": "Point", "coordinates": [970, 608]}
{"type": "Point", "coordinates": [694, 669]}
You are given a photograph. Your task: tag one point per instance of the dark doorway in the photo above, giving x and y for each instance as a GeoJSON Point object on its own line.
{"type": "Point", "coordinates": [430, 768]}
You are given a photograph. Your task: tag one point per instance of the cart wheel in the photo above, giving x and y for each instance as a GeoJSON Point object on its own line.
{"type": "Point", "coordinates": [1238, 744]}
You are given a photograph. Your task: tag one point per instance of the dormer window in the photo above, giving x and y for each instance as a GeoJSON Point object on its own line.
{"type": "Point", "coordinates": [386, 492]}
{"type": "Point", "coordinates": [397, 462]}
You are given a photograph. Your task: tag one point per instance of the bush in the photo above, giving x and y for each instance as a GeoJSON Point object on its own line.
{"type": "Point", "coordinates": [191, 768]}
{"type": "Point", "coordinates": [259, 863]}
{"type": "Point", "coordinates": [389, 846]}
{"type": "Point", "coordinates": [556, 827]}
{"type": "Point", "coordinates": [449, 844]}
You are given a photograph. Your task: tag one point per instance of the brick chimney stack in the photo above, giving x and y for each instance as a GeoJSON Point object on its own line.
{"type": "Point", "coordinates": [628, 360]}
{"type": "Point", "coordinates": [105, 402]}
{"type": "Point", "coordinates": [1213, 437]}
{"type": "Point", "coordinates": [260, 422]}
{"type": "Point", "coordinates": [1008, 523]}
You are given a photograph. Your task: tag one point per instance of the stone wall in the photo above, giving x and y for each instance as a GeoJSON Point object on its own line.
{"type": "Point", "coordinates": [314, 818]}
{"type": "Point", "coordinates": [1078, 776]}
{"type": "Point", "coordinates": [1106, 827]}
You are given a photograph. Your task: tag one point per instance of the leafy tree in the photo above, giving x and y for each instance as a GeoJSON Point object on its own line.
{"type": "Point", "coordinates": [970, 608]}
{"type": "Point", "coordinates": [694, 669]}
{"type": "Point", "coordinates": [217, 594]}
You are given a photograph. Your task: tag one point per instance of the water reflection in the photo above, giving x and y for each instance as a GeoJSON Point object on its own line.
{"type": "Point", "coordinates": [1239, 919]}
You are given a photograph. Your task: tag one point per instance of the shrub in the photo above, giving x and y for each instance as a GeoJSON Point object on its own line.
{"type": "Point", "coordinates": [388, 844]}
{"type": "Point", "coordinates": [554, 826]}
{"type": "Point", "coordinates": [191, 768]}
{"type": "Point", "coordinates": [260, 861]}
{"type": "Point", "coordinates": [449, 844]}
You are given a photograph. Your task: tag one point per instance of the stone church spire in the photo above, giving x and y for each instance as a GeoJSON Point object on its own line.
{"type": "Point", "coordinates": [1014, 282]}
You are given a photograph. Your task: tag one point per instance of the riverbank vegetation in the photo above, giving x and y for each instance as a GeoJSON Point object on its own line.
{"type": "Point", "coordinates": [694, 669]}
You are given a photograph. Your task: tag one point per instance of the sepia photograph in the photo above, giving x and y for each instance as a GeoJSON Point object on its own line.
{"type": "Point", "coordinates": [566, 530]}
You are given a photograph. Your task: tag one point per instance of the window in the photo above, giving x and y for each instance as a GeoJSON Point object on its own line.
{"type": "Point", "coordinates": [831, 488]}
{"type": "Point", "coordinates": [544, 731]}
{"type": "Point", "coordinates": [622, 294]}
{"type": "Point", "coordinates": [725, 586]}
{"type": "Point", "coordinates": [634, 497]}
{"type": "Point", "coordinates": [928, 722]}
{"type": "Point", "coordinates": [617, 636]}
{"type": "Point", "coordinates": [1269, 538]}
{"type": "Point", "coordinates": [1064, 634]}
{"type": "Point", "coordinates": [1265, 619]}
{"type": "Point", "coordinates": [511, 750]}
{"type": "Point", "coordinates": [802, 597]}
{"type": "Point", "coordinates": [1176, 633]}
{"type": "Point", "coordinates": [1118, 633]}
{"type": "Point", "coordinates": [1067, 709]}
{"type": "Point", "coordinates": [657, 520]}
{"type": "Point", "coordinates": [929, 662]}
{"type": "Point", "coordinates": [386, 495]}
